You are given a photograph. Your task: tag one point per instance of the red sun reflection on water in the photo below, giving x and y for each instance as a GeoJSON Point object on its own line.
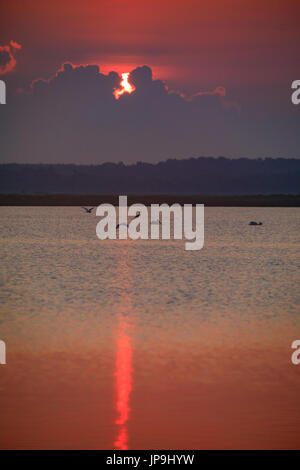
{"type": "Point", "coordinates": [124, 387]}
{"type": "Point", "coordinates": [123, 371]}
{"type": "Point", "coordinates": [127, 87]}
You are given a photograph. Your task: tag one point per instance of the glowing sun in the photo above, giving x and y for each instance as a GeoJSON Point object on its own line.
{"type": "Point", "coordinates": [126, 86]}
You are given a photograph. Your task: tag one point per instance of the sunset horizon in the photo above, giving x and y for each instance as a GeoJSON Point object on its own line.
{"type": "Point", "coordinates": [149, 230]}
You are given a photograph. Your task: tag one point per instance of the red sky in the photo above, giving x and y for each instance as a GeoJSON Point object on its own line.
{"type": "Point", "coordinates": [247, 46]}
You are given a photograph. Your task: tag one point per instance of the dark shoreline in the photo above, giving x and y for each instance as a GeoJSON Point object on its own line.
{"type": "Point", "coordinates": [273, 200]}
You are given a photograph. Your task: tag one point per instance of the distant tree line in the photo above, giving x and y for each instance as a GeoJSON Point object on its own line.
{"type": "Point", "coordinates": [203, 175]}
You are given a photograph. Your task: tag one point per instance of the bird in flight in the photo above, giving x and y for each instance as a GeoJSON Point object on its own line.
{"type": "Point", "coordinates": [87, 210]}
{"type": "Point", "coordinates": [123, 223]}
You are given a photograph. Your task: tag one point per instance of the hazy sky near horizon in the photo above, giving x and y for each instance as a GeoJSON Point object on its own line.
{"type": "Point", "coordinates": [228, 63]}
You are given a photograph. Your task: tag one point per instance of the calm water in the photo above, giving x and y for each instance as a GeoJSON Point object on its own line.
{"type": "Point", "coordinates": [141, 344]}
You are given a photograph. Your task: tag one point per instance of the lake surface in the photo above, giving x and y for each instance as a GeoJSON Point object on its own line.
{"type": "Point", "coordinates": [143, 345]}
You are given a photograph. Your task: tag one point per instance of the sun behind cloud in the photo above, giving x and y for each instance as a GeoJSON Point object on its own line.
{"type": "Point", "coordinates": [127, 87]}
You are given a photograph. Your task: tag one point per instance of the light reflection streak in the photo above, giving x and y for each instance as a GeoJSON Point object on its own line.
{"type": "Point", "coordinates": [123, 371]}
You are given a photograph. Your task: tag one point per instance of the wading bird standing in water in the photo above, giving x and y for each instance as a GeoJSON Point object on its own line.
{"type": "Point", "coordinates": [87, 210]}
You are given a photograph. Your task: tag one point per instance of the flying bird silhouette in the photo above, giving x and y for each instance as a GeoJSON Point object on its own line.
{"type": "Point", "coordinates": [87, 210]}
{"type": "Point", "coordinates": [122, 223]}
{"type": "Point", "coordinates": [126, 225]}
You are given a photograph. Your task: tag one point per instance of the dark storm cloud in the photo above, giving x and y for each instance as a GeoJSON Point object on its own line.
{"type": "Point", "coordinates": [7, 57]}
{"type": "Point", "coordinates": [74, 117]}
{"type": "Point", "coordinates": [4, 57]}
